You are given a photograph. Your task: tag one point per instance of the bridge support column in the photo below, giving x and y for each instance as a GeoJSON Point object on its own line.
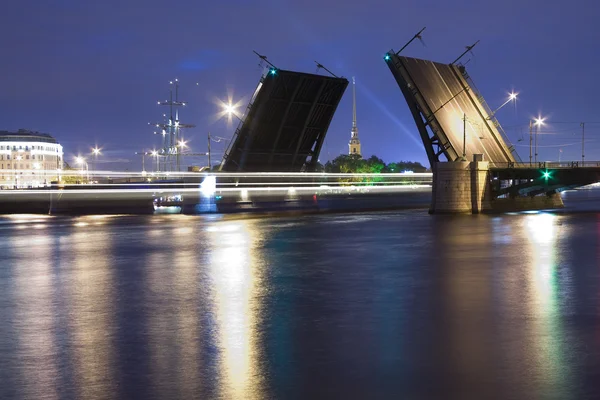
{"type": "Point", "coordinates": [461, 187]}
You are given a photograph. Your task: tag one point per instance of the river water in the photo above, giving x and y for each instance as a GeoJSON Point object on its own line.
{"type": "Point", "coordinates": [372, 305]}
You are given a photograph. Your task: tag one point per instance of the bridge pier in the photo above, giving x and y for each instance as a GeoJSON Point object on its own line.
{"type": "Point", "coordinates": [464, 187]}
{"type": "Point", "coordinates": [461, 187]}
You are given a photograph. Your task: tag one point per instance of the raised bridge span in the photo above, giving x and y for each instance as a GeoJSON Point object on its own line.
{"type": "Point", "coordinates": [475, 167]}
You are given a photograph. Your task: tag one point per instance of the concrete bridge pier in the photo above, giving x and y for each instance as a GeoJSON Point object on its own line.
{"type": "Point", "coordinates": [464, 187]}
{"type": "Point", "coordinates": [461, 187]}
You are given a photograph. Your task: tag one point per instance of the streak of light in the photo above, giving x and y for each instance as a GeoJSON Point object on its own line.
{"type": "Point", "coordinates": [171, 175]}
{"type": "Point", "coordinates": [311, 189]}
{"type": "Point", "coordinates": [196, 184]}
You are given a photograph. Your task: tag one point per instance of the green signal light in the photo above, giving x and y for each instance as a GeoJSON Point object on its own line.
{"type": "Point", "coordinates": [546, 174]}
{"type": "Point", "coordinates": [387, 57]}
{"type": "Point", "coordinates": [273, 71]}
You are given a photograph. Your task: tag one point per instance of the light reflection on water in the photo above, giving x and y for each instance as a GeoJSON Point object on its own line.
{"type": "Point", "coordinates": [375, 305]}
{"type": "Point", "coordinates": [35, 327]}
{"type": "Point", "coordinates": [236, 284]}
{"type": "Point", "coordinates": [90, 304]}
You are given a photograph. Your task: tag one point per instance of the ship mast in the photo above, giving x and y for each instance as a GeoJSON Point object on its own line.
{"type": "Point", "coordinates": [171, 131]}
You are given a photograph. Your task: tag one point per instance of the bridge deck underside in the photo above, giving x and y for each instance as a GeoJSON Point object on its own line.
{"type": "Point", "coordinates": [444, 96]}
{"type": "Point", "coordinates": [533, 181]}
{"type": "Point", "coordinates": [286, 124]}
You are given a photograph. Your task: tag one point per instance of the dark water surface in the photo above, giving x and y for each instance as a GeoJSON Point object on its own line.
{"type": "Point", "coordinates": [380, 305]}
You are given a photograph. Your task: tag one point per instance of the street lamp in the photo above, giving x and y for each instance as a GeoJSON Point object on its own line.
{"type": "Point", "coordinates": [230, 110]}
{"type": "Point", "coordinates": [537, 122]}
{"type": "Point", "coordinates": [511, 97]}
{"type": "Point", "coordinates": [81, 161]}
{"type": "Point", "coordinates": [154, 154]}
{"type": "Point", "coordinates": [95, 152]}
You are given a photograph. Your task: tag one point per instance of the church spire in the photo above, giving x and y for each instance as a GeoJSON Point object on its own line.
{"type": "Point", "coordinates": [354, 144]}
{"type": "Point", "coordinates": [354, 129]}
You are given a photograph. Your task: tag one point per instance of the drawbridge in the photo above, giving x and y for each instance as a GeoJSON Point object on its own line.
{"type": "Point", "coordinates": [285, 123]}
{"type": "Point", "coordinates": [456, 124]}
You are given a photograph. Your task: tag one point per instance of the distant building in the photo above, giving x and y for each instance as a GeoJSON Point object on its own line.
{"type": "Point", "coordinates": [354, 144]}
{"type": "Point", "coordinates": [29, 159]}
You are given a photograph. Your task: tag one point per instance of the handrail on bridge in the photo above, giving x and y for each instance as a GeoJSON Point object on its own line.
{"type": "Point", "coordinates": [547, 164]}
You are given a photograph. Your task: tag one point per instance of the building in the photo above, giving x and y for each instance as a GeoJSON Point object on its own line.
{"type": "Point", "coordinates": [29, 159]}
{"type": "Point", "coordinates": [354, 144]}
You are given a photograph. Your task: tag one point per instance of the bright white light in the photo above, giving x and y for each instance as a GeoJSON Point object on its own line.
{"type": "Point", "coordinates": [79, 160]}
{"type": "Point", "coordinates": [36, 165]}
{"type": "Point", "coordinates": [96, 151]}
{"type": "Point", "coordinates": [229, 109]}
{"type": "Point", "coordinates": [154, 153]}
{"type": "Point", "coordinates": [513, 96]}
{"type": "Point", "coordinates": [539, 121]}
{"type": "Point", "coordinates": [208, 186]}
{"type": "Point", "coordinates": [181, 144]}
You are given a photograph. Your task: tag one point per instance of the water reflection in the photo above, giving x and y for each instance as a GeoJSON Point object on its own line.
{"type": "Point", "coordinates": [466, 291]}
{"type": "Point", "coordinates": [390, 306]}
{"type": "Point", "coordinates": [91, 307]}
{"type": "Point", "coordinates": [236, 274]}
{"type": "Point", "coordinates": [547, 336]}
{"type": "Point", "coordinates": [35, 309]}
{"type": "Point", "coordinates": [173, 321]}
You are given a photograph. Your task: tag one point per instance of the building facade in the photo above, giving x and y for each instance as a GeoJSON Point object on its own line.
{"type": "Point", "coordinates": [354, 144]}
{"type": "Point", "coordinates": [29, 159]}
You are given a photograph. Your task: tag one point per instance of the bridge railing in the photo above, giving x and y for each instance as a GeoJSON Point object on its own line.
{"type": "Point", "coordinates": [490, 114]}
{"type": "Point", "coordinates": [547, 164]}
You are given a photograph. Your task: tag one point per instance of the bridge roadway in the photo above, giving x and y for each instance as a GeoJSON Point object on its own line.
{"type": "Point", "coordinates": [542, 177]}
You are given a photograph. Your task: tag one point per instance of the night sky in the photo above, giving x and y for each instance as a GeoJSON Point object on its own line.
{"type": "Point", "coordinates": [92, 72]}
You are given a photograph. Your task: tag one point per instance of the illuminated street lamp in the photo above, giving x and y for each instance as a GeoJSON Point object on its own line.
{"type": "Point", "coordinates": [511, 97]}
{"type": "Point", "coordinates": [230, 110]}
{"type": "Point", "coordinates": [81, 161]}
{"type": "Point", "coordinates": [154, 154]}
{"type": "Point", "coordinates": [537, 122]}
{"type": "Point", "coordinates": [96, 153]}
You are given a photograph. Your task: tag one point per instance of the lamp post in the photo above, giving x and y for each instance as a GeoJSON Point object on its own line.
{"type": "Point", "coordinates": [511, 97]}
{"type": "Point", "coordinates": [81, 161]}
{"type": "Point", "coordinates": [154, 154]}
{"type": "Point", "coordinates": [582, 144]}
{"type": "Point", "coordinates": [209, 163]}
{"type": "Point", "coordinates": [95, 152]}
{"type": "Point", "coordinates": [538, 122]}
{"type": "Point", "coordinates": [464, 155]}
